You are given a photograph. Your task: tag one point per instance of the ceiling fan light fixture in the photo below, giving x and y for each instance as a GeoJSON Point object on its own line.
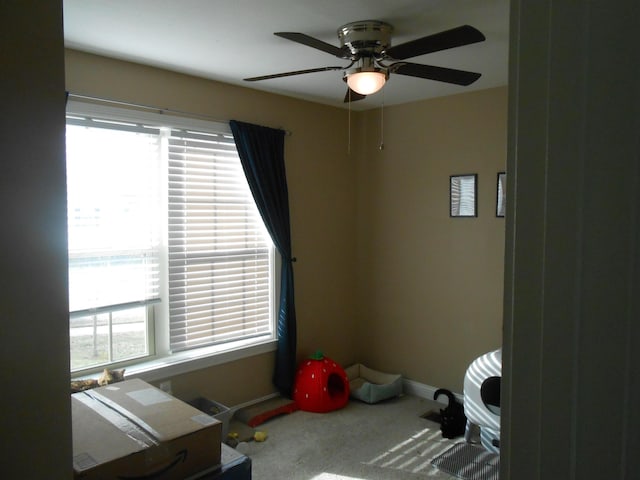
{"type": "Point", "coordinates": [367, 44]}
{"type": "Point", "coordinates": [366, 82]}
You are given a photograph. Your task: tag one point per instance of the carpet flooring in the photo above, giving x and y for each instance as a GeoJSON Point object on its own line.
{"type": "Point", "coordinates": [385, 441]}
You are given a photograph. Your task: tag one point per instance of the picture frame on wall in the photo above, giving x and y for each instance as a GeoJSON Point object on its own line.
{"type": "Point", "coordinates": [501, 194]}
{"type": "Point", "coordinates": [463, 195]}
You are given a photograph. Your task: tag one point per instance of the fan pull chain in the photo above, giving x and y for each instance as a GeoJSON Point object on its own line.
{"type": "Point", "coordinates": [381, 146]}
{"type": "Point", "coordinates": [349, 126]}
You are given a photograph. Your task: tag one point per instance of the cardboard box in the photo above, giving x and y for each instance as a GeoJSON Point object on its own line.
{"type": "Point", "coordinates": [235, 466]}
{"type": "Point", "coordinates": [131, 430]}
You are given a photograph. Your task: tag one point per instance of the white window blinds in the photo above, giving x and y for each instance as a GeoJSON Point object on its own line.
{"type": "Point", "coordinates": [219, 250]}
{"type": "Point", "coordinates": [113, 201]}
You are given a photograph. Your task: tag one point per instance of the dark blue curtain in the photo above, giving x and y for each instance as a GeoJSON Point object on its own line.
{"type": "Point", "coordinates": [261, 151]}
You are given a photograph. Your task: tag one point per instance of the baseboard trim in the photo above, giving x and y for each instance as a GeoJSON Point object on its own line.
{"type": "Point", "coordinates": [423, 390]}
{"type": "Point", "coordinates": [254, 402]}
{"type": "Point", "coordinates": [410, 387]}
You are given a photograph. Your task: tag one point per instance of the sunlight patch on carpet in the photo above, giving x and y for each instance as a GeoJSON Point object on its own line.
{"type": "Point", "coordinates": [333, 476]}
{"type": "Point", "coordinates": [414, 454]}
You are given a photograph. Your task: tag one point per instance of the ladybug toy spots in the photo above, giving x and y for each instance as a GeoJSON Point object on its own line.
{"type": "Point", "coordinates": [321, 385]}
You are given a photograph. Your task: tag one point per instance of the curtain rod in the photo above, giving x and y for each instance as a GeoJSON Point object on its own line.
{"type": "Point", "coordinates": [155, 109]}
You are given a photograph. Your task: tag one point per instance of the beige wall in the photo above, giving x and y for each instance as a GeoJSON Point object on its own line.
{"type": "Point", "coordinates": [430, 286]}
{"type": "Point", "coordinates": [418, 293]}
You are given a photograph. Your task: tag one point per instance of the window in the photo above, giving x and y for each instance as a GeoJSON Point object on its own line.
{"type": "Point", "coordinates": [167, 251]}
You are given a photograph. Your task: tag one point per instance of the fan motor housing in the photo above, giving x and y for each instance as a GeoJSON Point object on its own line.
{"type": "Point", "coordinates": [365, 37]}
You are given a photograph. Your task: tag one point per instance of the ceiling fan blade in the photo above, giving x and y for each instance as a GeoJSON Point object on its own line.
{"type": "Point", "coordinates": [441, 74]}
{"type": "Point", "coordinates": [289, 74]}
{"type": "Point", "coordinates": [456, 37]}
{"type": "Point", "coordinates": [353, 96]}
{"type": "Point", "coordinates": [314, 43]}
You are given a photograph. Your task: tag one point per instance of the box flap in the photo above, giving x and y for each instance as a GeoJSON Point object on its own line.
{"type": "Point", "coordinates": [161, 415]}
{"type": "Point", "coordinates": [98, 434]}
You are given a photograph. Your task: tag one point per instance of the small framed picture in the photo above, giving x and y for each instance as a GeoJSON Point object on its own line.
{"type": "Point", "coordinates": [463, 195]}
{"type": "Point", "coordinates": [501, 194]}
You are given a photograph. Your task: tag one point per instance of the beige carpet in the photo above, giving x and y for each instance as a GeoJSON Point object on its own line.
{"type": "Point", "coordinates": [385, 441]}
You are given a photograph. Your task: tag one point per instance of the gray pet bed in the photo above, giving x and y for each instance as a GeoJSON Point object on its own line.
{"type": "Point", "coordinates": [371, 386]}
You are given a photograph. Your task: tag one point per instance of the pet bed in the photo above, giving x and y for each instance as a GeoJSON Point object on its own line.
{"type": "Point", "coordinates": [371, 386]}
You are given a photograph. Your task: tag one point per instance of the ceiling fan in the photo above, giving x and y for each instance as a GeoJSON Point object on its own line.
{"type": "Point", "coordinates": [367, 45]}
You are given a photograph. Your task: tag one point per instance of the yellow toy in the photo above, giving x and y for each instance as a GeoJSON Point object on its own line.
{"type": "Point", "coordinates": [260, 436]}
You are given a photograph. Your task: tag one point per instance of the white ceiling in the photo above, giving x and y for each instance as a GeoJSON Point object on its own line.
{"type": "Point", "coordinates": [233, 39]}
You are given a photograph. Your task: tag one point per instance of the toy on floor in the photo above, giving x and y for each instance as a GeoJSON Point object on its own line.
{"type": "Point", "coordinates": [321, 385]}
{"type": "Point", "coordinates": [260, 436]}
{"type": "Point", "coordinates": [256, 414]}
{"type": "Point", "coordinates": [234, 439]}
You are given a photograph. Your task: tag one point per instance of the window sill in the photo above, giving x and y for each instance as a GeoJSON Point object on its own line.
{"type": "Point", "coordinates": [189, 361]}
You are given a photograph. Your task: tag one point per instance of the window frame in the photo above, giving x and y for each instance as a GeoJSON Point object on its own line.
{"type": "Point", "coordinates": [161, 362]}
